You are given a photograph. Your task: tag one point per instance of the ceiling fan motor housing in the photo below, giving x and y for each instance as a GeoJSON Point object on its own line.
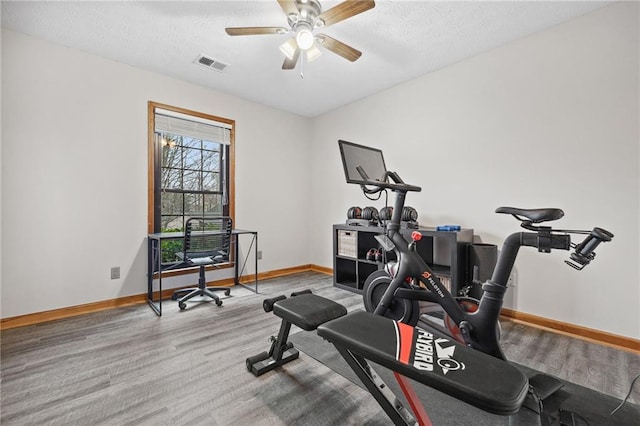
{"type": "Point", "coordinates": [308, 13]}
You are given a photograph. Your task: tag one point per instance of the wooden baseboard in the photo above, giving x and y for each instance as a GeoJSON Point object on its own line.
{"type": "Point", "coordinates": [72, 311]}
{"type": "Point", "coordinates": [321, 269]}
{"type": "Point", "coordinates": [601, 337]}
{"type": "Point", "coordinates": [572, 330]}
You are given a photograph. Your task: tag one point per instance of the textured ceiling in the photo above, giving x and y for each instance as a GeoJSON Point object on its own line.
{"type": "Point", "coordinates": [400, 40]}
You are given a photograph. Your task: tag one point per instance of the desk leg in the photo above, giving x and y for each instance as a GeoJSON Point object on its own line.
{"type": "Point", "coordinates": [149, 269]}
{"type": "Point", "coordinates": [153, 260]}
{"type": "Point", "coordinates": [236, 274]}
{"type": "Point", "coordinates": [254, 243]}
{"type": "Point", "coordinates": [255, 252]}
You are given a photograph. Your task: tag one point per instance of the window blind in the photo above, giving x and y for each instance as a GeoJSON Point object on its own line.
{"type": "Point", "coordinates": [191, 126]}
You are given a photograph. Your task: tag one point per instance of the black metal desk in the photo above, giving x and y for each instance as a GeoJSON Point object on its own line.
{"type": "Point", "coordinates": [154, 262]}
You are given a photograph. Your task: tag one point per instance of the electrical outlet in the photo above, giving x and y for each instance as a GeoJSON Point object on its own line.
{"type": "Point", "coordinates": [115, 273]}
{"type": "Point", "coordinates": [259, 254]}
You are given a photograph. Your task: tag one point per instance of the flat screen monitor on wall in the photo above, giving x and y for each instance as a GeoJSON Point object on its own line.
{"type": "Point", "coordinates": [369, 159]}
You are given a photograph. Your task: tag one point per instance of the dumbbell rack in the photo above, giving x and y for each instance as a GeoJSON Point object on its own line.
{"type": "Point", "coordinates": [444, 251]}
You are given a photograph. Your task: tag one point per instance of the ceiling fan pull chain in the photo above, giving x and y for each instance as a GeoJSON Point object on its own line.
{"type": "Point", "coordinates": [302, 66]}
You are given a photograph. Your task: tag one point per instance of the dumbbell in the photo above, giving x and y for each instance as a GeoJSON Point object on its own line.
{"type": "Point", "coordinates": [409, 214]}
{"type": "Point", "coordinates": [370, 213]}
{"type": "Point", "coordinates": [354, 213]}
{"type": "Point", "coordinates": [385, 213]}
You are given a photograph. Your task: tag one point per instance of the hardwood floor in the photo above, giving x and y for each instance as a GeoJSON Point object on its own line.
{"type": "Point", "coordinates": [128, 366]}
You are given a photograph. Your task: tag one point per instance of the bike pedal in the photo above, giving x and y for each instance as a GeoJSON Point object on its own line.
{"type": "Point", "coordinates": [545, 385]}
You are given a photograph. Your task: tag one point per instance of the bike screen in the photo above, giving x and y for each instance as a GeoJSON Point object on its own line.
{"type": "Point", "coordinates": [368, 159]}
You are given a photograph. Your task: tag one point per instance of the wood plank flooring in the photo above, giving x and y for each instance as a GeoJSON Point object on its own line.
{"type": "Point", "coordinates": [129, 367]}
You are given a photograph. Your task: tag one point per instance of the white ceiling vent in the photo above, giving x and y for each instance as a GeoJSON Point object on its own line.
{"type": "Point", "coordinates": [208, 62]}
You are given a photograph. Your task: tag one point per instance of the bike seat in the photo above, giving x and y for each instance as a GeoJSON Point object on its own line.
{"type": "Point", "coordinates": [533, 215]}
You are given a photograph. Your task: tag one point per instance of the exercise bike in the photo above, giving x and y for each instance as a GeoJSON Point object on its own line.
{"type": "Point", "coordinates": [469, 367]}
{"type": "Point", "coordinates": [397, 294]}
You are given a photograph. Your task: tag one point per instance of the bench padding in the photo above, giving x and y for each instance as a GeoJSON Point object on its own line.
{"type": "Point", "coordinates": [308, 311]}
{"type": "Point", "coordinates": [466, 374]}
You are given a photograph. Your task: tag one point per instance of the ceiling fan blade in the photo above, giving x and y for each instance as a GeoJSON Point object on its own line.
{"type": "Point", "coordinates": [289, 6]}
{"type": "Point", "coordinates": [240, 31]}
{"type": "Point", "coordinates": [290, 64]}
{"type": "Point", "coordinates": [338, 47]}
{"type": "Point", "coordinates": [345, 10]}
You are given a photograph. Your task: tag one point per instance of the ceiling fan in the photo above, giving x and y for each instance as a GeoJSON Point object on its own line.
{"type": "Point", "coordinates": [304, 17]}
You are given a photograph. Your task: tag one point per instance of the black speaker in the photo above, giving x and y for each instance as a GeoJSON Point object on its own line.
{"type": "Point", "coordinates": [481, 261]}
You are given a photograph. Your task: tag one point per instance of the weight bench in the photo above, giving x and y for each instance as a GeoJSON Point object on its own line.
{"type": "Point", "coordinates": [479, 379]}
{"type": "Point", "coordinates": [435, 360]}
{"type": "Point", "coordinates": [303, 309]}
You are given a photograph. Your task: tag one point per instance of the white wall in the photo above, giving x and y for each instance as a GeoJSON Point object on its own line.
{"type": "Point", "coordinates": [549, 120]}
{"type": "Point", "coordinates": [74, 174]}
{"type": "Point", "coordinates": [546, 121]}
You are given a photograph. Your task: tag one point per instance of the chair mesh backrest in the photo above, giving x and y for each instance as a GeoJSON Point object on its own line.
{"type": "Point", "coordinates": [208, 236]}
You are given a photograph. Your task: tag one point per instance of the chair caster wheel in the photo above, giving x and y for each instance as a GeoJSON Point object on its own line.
{"type": "Point", "coordinates": [218, 302]}
{"type": "Point", "coordinates": [182, 306]}
{"type": "Point", "coordinates": [174, 296]}
{"type": "Point", "coordinates": [227, 292]}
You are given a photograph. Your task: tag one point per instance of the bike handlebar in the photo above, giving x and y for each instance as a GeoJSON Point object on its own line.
{"type": "Point", "coordinates": [584, 252]}
{"type": "Point", "coordinates": [398, 184]}
{"type": "Point", "coordinates": [401, 187]}
{"type": "Point", "coordinates": [543, 238]}
{"type": "Point", "coordinates": [546, 238]}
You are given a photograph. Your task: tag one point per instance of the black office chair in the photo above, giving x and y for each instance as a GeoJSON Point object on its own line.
{"type": "Point", "coordinates": [207, 241]}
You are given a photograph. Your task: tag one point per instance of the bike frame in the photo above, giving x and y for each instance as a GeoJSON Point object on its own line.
{"type": "Point", "coordinates": [477, 328]}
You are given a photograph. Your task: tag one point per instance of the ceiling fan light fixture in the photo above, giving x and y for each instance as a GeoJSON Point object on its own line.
{"type": "Point", "coordinates": [289, 48]}
{"type": "Point", "coordinates": [313, 53]}
{"type": "Point", "coordinates": [304, 38]}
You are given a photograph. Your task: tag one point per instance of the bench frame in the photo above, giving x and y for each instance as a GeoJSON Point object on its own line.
{"type": "Point", "coordinates": [383, 395]}
{"type": "Point", "coordinates": [282, 351]}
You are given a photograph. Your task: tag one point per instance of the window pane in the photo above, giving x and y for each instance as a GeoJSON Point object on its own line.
{"type": "Point", "coordinates": [169, 248]}
{"type": "Point", "coordinates": [171, 223]}
{"type": "Point", "coordinates": [211, 161]}
{"type": "Point", "coordinates": [211, 146]}
{"type": "Point", "coordinates": [171, 155]}
{"type": "Point", "coordinates": [171, 203]}
{"type": "Point", "coordinates": [192, 180]}
{"type": "Point", "coordinates": [192, 159]}
{"type": "Point", "coordinates": [171, 178]}
{"type": "Point", "coordinates": [211, 181]}
{"type": "Point", "coordinates": [191, 143]}
{"type": "Point", "coordinates": [193, 204]}
{"type": "Point", "coordinates": [213, 204]}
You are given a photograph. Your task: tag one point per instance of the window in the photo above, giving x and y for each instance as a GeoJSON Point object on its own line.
{"type": "Point", "coordinates": [191, 163]}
